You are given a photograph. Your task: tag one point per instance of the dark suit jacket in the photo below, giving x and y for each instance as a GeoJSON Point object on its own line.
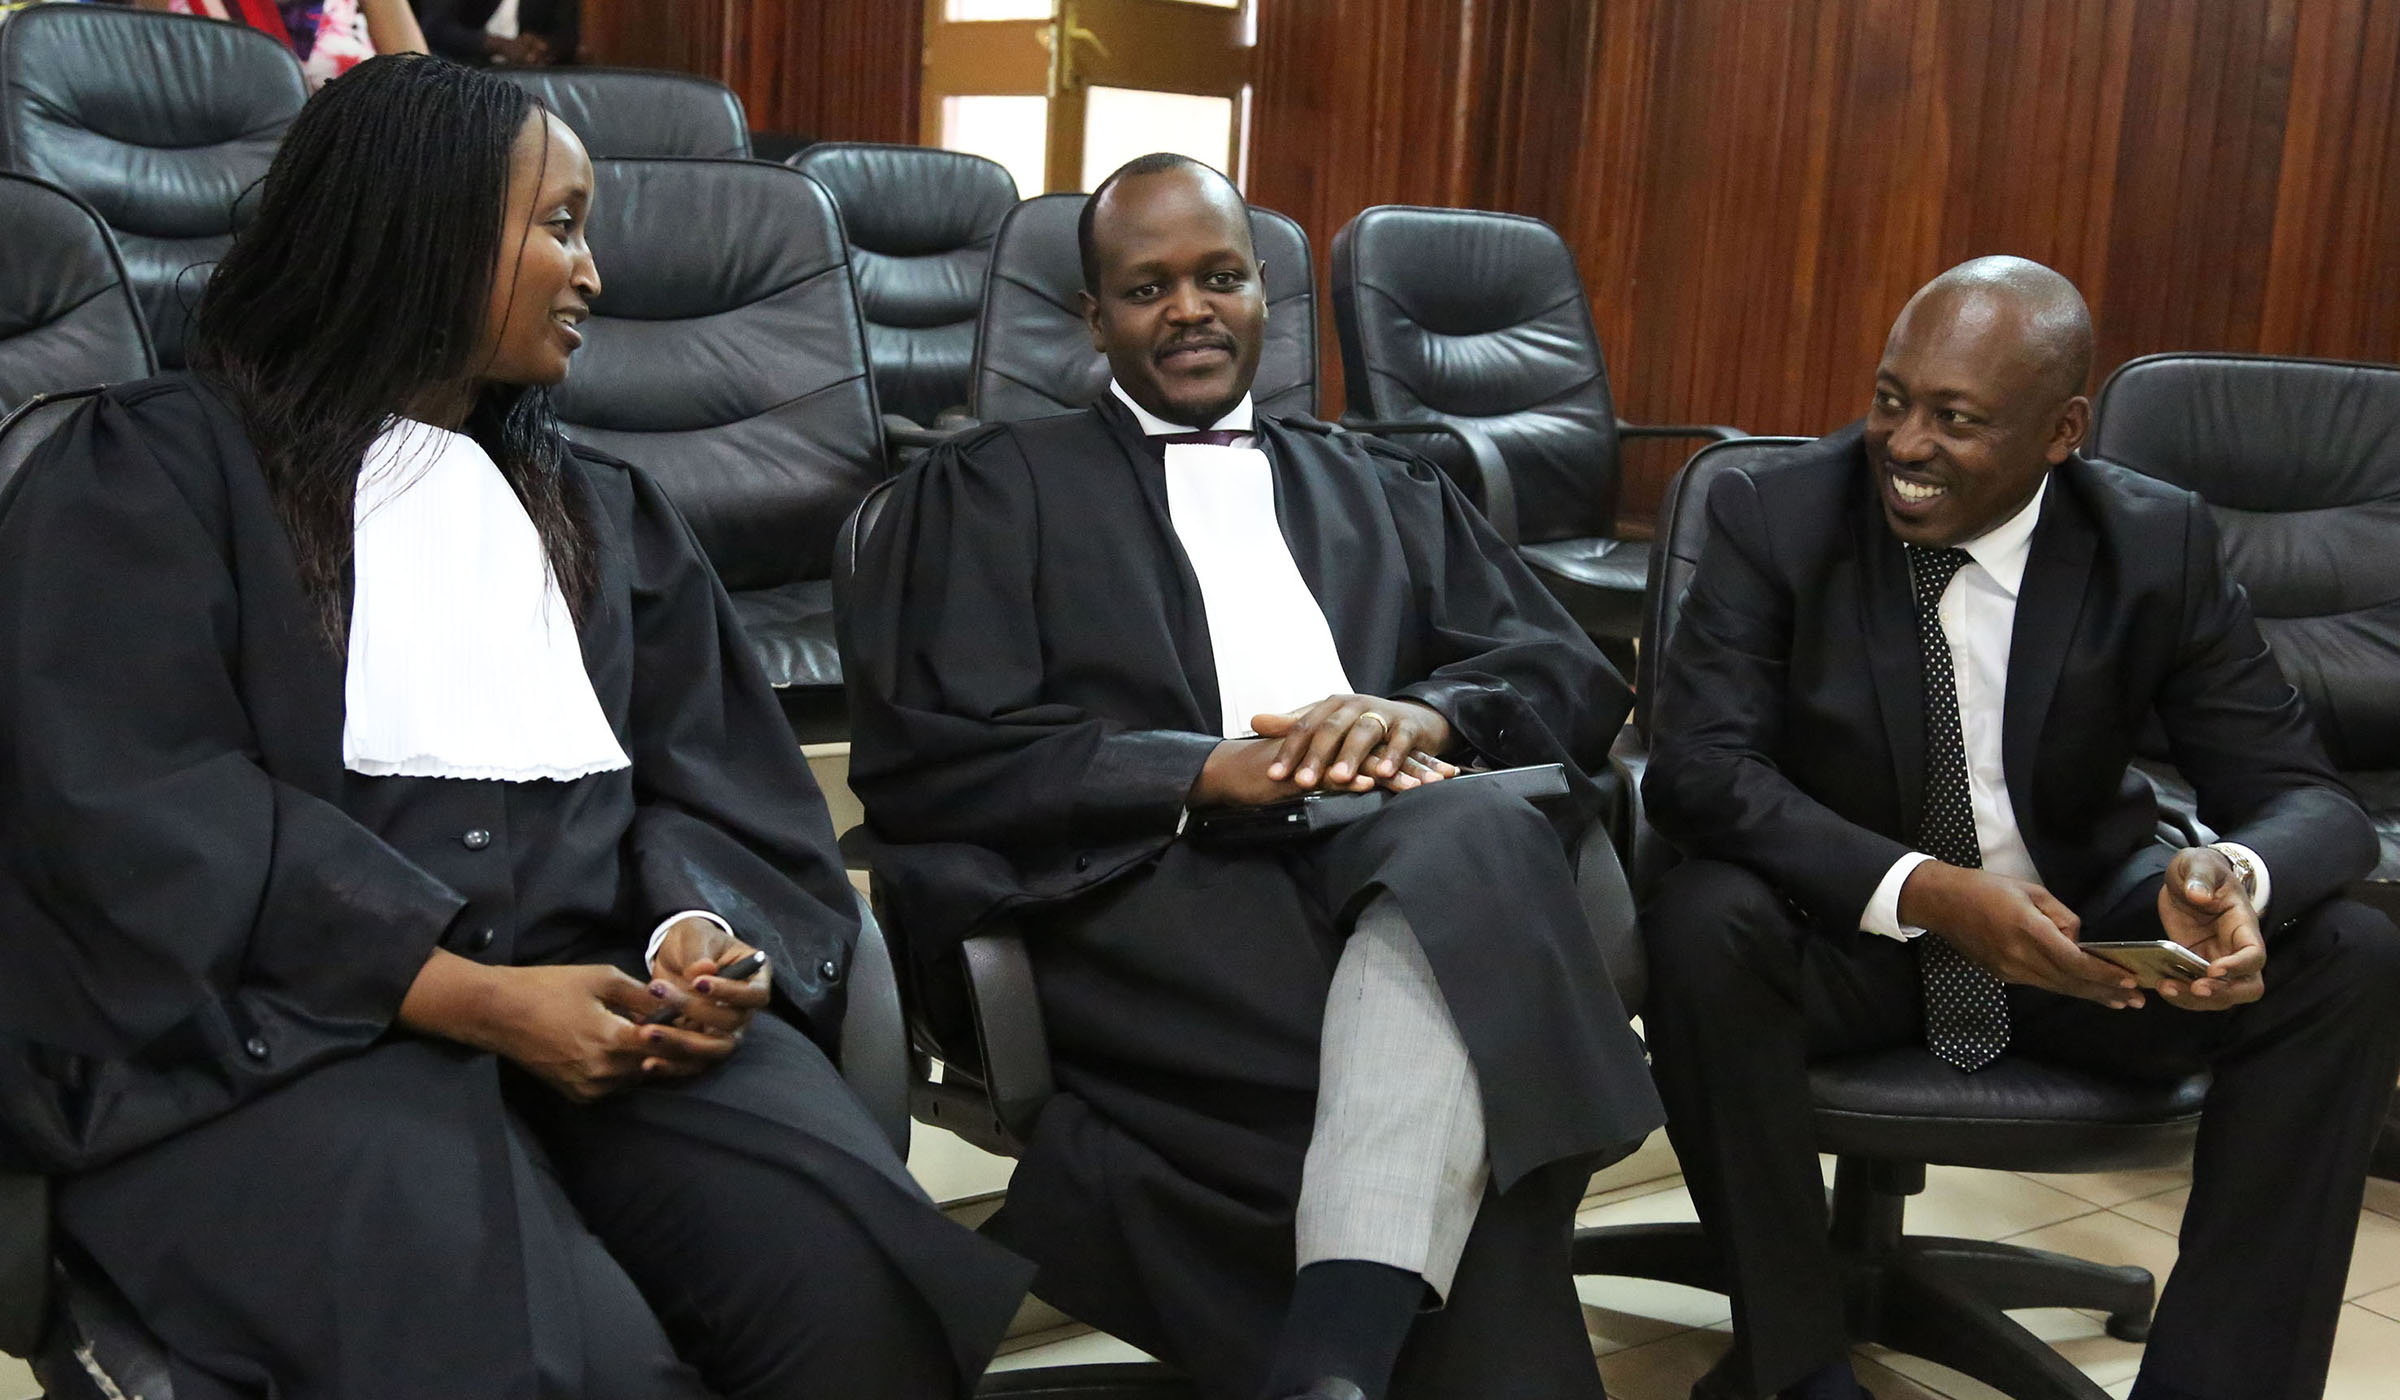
{"type": "Point", "coordinates": [1789, 730]}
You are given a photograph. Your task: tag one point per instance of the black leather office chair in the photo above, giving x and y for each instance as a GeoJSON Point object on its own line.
{"type": "Point", "coordinates": [1034, 356]}
{"type": "Point", "coordinates": [69, 1323]}
{"type": "Point", "coordinates": [632, 112]}
{"type": "Point", "coordinates": [921, 223]}
{"type": "Point", "coordinates": [159, 122]}
{"type": "Point", "coordinates": [725, 357]}
{"type": "Point", "coordinates": [2299, 461]}
{"type": "Point", "coordinates": [974, 1011]}
{"type": "Point", "coordinates": [1479, 320]}
{"type": "Point", "coordinates": [1887, 1116]}
{"type": "Point", "coordinates": [67, 313]}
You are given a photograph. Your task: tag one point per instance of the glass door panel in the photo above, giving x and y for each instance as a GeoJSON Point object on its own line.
{"type": "Point", "coordinates": [1121, 123]}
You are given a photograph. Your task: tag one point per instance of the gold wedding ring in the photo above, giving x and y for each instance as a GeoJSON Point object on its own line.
{"type": "Point", "coordinates": [1383, 726]}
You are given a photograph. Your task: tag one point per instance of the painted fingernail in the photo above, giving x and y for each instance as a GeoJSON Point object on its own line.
{"type": "Point", "coordinates": [659, 990]}
{"type": "Point", "coordinates": [704, 986]}
{"type": "Point", "coordinates": [655, 1037]}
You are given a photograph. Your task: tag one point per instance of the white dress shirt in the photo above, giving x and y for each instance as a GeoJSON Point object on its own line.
{"type": "Point", "coordinates": [1267, 633]}
{"type": "Point", "coordinates": [1979, 616]}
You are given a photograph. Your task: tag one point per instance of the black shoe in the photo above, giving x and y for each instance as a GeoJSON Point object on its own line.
{"type": "Point", "coordinates": [1331, 1388]}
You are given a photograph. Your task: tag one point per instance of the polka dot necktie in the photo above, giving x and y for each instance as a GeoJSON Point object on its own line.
{"type": "Point", "coordinates": [1966, 1007]}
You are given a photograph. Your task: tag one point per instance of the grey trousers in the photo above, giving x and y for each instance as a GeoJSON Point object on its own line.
{"type": "Point", "coordinates": [1396, 1164]}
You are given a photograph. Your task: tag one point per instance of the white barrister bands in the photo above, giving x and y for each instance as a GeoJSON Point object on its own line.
{"type": "Point", "coordinates": [464, 661]}
{"type": "Point", "coordinates": [1273, 650]}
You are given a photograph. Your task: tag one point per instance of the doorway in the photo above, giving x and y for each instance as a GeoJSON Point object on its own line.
{"type": "Point", "coordinates": [1064, 91]}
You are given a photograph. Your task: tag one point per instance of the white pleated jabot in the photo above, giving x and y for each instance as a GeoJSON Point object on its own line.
{"type": "Point", "coordinates": [464, 661]}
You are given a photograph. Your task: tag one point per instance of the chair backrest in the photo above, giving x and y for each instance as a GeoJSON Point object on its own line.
{"type": "Point", "coordinates": [1481, 319]}
{"type": "Point", "coordinates": [2299, 460]}
{"type": "Point", "coordinates": [921, 223]}
{"type": "Point", "coordinates": [1675, 553]}
{"type": "Point", "coordinates": [1034, 357]}
{"type": "Point", "coordinates": [626, 112]}
{"type": "Point", "coordinates": [30, 425]}
{"type": "Point", "coordinates": [728, 364]}
{"type": "Point", "coordinates": [159, 122]}
{"type": "Point", "coordinates": [67, 315]}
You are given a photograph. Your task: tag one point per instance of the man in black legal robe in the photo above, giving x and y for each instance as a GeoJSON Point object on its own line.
{"type": "Point", "coordinates": [1046, 650]}
{"type": "Point", "coordinates": [1893, 731]}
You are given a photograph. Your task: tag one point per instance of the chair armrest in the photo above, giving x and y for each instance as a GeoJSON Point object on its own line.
{"type": "Point", "coordinates": [1015, 1045]}
{"type": "Point", "coordinates": [874, 1037]}
{"type": "Point", "coordinates": [1712, 432]}
{"type": "Point", "coordinates": [1497, 490]}
{"type": "Point", "coordinates": [24, 1261]}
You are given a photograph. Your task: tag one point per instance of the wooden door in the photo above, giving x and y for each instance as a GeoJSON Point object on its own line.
{"type": "Point", "coordinates": [1063, 91]}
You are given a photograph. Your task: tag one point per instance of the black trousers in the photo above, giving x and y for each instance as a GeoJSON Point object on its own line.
{"type": "Point", "coordinates": [422, 1221]}
{"type": "Point", "coordinates": [1742, 997]}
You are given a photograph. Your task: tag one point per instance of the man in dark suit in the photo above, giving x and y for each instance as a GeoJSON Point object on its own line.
{"type": "Point", "coordinates": [1895, 723]}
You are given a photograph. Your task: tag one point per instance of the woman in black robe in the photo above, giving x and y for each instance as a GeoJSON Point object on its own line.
{"type": "Point", "coordinates": [354, 1078]}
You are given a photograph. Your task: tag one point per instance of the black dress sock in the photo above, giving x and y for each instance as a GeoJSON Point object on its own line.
{"type": "Point", "coordinates": [1348, 1319]}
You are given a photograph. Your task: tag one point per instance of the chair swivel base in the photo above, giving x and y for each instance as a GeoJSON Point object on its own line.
{"type": "Point", "coordinates": [1945, 1300]}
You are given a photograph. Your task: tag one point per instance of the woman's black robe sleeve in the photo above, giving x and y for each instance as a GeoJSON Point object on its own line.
{"type": "Point", "coordinates": [727, 817]}
{"type": "Point", "coordinates": [182, 930]}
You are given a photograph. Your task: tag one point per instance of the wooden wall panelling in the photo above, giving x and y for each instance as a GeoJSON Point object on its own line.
{"type": "Point", "coordinates": [1753, 188]}
{"type": "Point", "coordinates": [828, 70]}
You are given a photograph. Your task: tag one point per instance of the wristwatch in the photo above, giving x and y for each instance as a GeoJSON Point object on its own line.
{"type": "Point", "coordinates": [2243, 867]}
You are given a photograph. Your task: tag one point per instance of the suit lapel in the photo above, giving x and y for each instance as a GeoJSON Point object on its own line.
{"type": "Point", "coordinates": [2049, 604]}
{"type": "Point", "coordinates": [1888, 619]}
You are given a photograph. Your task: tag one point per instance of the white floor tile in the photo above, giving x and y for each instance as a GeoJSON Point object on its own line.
{"type": "Point", "coordinates": [1079, 1347]}
{"type": "Point", "coordinates": [2366, 1357]}
{"type": "Point", "coordinates": [1620, 1313]}
{"type": "Point", "coordinates": [1646, 1166]}
{"type": "Point", "coordinates": [1663, 1370]}
{"type": "Point", "coordinates": [2374, 1258]}
{"type": "Point", "coordinates": [1672, 1201]}
{"type": "Point", "coordinates": [2386, 1303]}
{"type": "Point", "coordinates": [2383, 1197]}
{"type": "Point", "coordinates": [2112, 1188]}
{"type": "Point", "coordinates": [1987, 1205]}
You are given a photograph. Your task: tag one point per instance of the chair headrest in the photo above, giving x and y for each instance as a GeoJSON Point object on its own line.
{"type": "Point", "coordinates": [729, 364]}
{"type": "Point", "coordinates": [66, 316]}
{"type": "Point", "coordinates": [620, 112]}
{"type": "Point", "coordinates": [1480, 318]}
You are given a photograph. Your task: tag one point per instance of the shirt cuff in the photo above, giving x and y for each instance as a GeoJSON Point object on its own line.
{"type": "Point", "coordinates": [1883, 907]}
{"type": "Point", "coordinates": [2240, 854]}
{"type": "Point", "coordinates": [659, 935]}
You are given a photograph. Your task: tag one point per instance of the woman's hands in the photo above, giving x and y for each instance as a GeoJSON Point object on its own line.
{"type": "Point", "coordinates": [580, 1028]}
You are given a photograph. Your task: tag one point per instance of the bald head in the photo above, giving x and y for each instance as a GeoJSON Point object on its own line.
{"type": "Point", "coordinates": [1174, 295]}
{"type": "Point", "coordinates": [2020, 310]}
{"type": "Point", "coordinates": [1198, 183]}
{"type": "Point", "coordinates": [1979, 395]}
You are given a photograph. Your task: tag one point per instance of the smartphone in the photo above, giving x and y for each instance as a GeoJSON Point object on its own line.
{"type": "Point", "coordinates": [2153, 960]}
{"type": "Point", "coordinates": [739, 970]}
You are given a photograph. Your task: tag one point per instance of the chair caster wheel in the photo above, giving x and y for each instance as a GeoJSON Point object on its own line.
{"type": "Point", "coordinates": [2130, 1327]}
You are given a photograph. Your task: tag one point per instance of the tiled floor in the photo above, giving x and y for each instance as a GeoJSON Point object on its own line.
{"type": "Point", "coordinates": [1653, 1339]}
